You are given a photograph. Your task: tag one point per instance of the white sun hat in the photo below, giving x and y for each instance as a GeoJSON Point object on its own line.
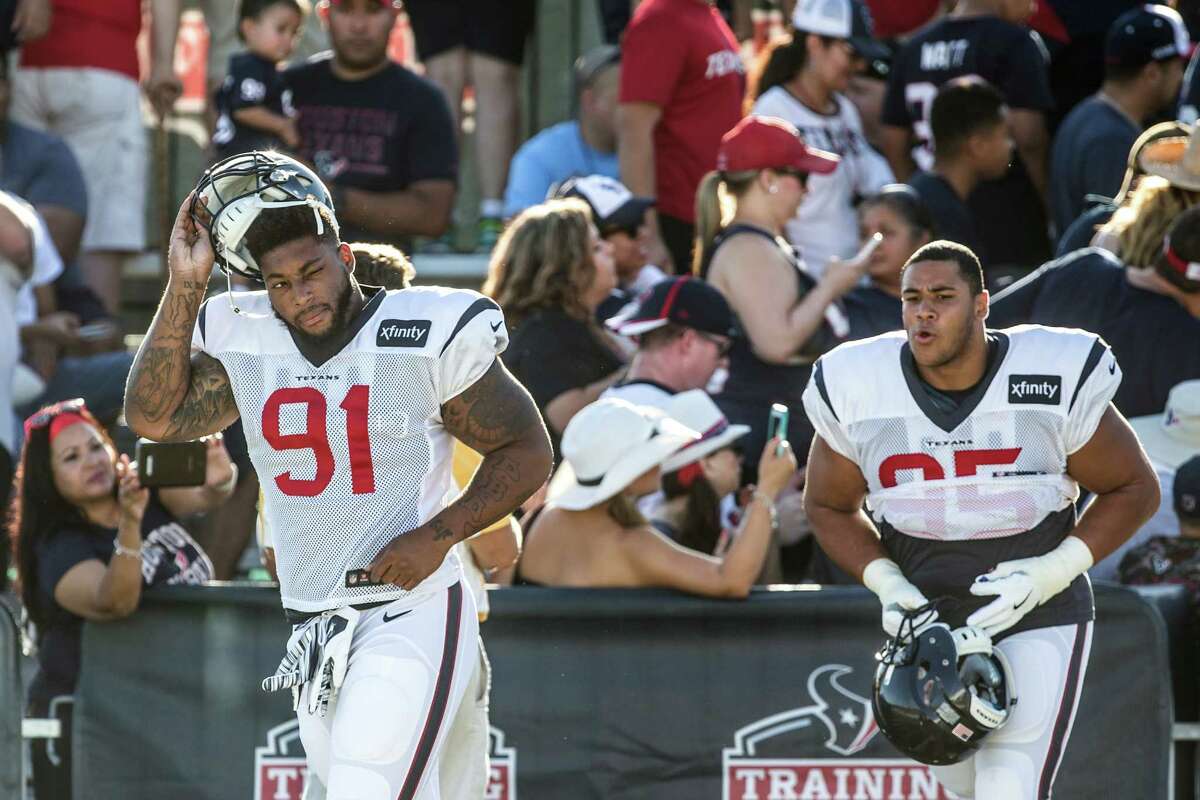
{"type": "Point", "coordinates": [1173, 437]}
{"type": "Point", "coordinates": [607, 446]}
{"type": "Point", "coordinates": [696, 410]}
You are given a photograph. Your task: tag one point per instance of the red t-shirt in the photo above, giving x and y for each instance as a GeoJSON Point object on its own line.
{"type": "Point", "coordinates": [682, 57]}
{"type": "Point", "coordinates": [89, 33]}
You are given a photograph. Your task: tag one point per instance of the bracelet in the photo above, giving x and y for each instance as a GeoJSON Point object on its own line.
{"type": "Point", "coordinates": [121, 550]}
{"type": "Point", "coordinates": [769, 503]}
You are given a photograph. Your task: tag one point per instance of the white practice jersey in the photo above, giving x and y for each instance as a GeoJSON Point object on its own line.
{"type": "Point", "coordinates": [826, 224]}
{"type": "Point", "coordinates": [352, 452]}
{"type": "Point", "coordinates": [957, 488]}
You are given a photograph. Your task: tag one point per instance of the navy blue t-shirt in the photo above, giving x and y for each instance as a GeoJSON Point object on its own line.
{"type": "Point", "coordinates": [1152, 334]}
{"type": "Point", "coordinates": [871, 312]}
{"type": "Point", "coordinates": [1009, 213]}
{"type": "Point", "coordinates": [1089, 155]}
{"type": "Point", "coordinates": [169, 556]}
{"type": "Point", "coordinates": [250, 82]}
{"type": "Point", "coordinates": [379, 134]}
{"type": "Point", "coordinates": [1079, 234]}
{"type": "Point", "coordinates": [952, 218]}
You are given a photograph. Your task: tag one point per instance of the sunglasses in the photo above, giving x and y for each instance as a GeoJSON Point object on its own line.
{"type": "Point", "coordinates": [798, 174]}
{"type": "Point", "coordinates": [723, 344]}
{"type": "Point", "coordinates": [45, 416]}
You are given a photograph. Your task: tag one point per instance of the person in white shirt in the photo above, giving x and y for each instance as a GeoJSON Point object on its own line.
{"type": "Point", "coordinates": [16, 266]}
{"type": "Point", "coordinates": [802, 80]}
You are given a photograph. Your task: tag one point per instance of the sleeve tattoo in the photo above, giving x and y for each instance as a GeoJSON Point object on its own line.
{"type": "Point", "coordinates": [208, 405]}
{"type": "Point", "coordinates": [498, 418]}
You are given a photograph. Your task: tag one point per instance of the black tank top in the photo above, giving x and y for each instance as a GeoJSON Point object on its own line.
{"type": "Point", "coordinates": [748, 374]}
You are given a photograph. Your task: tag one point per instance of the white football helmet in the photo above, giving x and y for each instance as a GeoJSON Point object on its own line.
{"type": "Point", "coordinates": [233, 192]}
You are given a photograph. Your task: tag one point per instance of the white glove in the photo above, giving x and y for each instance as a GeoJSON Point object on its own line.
{"type": "Point", "coordinates": [883, 577]}
{"type": "Point", "coordinates": [1024, 584]}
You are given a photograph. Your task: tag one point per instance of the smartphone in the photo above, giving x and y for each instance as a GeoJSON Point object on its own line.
{"type": "Point", "coordinates": [777, 425]}
{"type": "Point", "coordinates": [166, 464]}
{"type": "Point", "coordinates": [867, 249]}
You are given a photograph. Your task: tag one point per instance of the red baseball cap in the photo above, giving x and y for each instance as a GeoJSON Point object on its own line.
{"type": "Point", "coordinates": [769, 143]}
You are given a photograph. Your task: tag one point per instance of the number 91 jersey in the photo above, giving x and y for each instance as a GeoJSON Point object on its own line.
{"type": "Point", "coordinates": [955, 489]}
{"type": "Point", "coordinates": [351, 453]}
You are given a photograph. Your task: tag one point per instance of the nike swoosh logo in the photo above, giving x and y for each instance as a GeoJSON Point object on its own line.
{"type": "Point", "coordinates": [496, 327]}
{"type": "Point", "coordinates": [386, 618]}
{"type": "Point", "coordinates": [1015, 606]}
{"type": "Point", "coordinates": [1112, 368]}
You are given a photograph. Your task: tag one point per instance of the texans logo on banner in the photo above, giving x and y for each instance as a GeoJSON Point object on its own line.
{"type": "Point", "coordinates": [280, 771]}
{"type": "Point", "coordinates": [763, 763]}
{"type": "Point", "coordinates": [279, 768]}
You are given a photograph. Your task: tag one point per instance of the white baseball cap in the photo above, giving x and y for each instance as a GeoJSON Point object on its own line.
{"type": "Point", "coordinates": [1173, 437]}
{"type": "Point", "coordinates": [696, 410]}
{"type": "Point", "coordinates": [840, 19]}
{"type": "Point", "coordinates": [607, 446]}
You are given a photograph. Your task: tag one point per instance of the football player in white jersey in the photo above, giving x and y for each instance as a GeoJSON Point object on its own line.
{"type": "Point", "coordinates": [968, 446]}
{"type": "Point", "coordinates": [351, 398]}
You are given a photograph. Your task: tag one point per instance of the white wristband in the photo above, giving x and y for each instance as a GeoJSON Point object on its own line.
{"type": "Point", "coordinates": [881, 575]}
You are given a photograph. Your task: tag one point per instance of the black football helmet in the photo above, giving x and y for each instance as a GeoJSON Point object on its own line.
{"type": "Point", "coordinates": [940, 692]}
{"type": "Point", "coordinates": [233, 192]}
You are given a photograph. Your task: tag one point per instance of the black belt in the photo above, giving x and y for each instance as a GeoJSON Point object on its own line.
{"type": "Point", "coordinates": [298, 617]}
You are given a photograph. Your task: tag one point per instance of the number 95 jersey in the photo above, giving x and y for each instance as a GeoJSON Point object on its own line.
{"type": "Point", "coordinates": [957, 488]}
{"type": "Point", "coordinates": [352, 452]}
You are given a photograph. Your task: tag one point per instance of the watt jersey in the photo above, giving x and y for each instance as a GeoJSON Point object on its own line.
{"type": "Point", "coordinates": [957, 488]}
{"type": "Point", "coordinates": [352, 452]}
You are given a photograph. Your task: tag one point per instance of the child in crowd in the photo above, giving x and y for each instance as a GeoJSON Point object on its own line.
{"type": "Point", "coordinates": [253, 107]}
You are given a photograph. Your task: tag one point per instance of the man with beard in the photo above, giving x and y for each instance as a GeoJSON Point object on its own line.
{"type": "Point", "coordinates": [380, 136]}
{"type": "Point", "coordinates": [351, 399]}
{"type": "Point", "coordinates": [969, 450]}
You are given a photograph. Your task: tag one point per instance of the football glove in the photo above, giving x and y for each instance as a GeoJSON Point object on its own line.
{"type": "Point", "coordinates": [1025, 583]}
{"type": "Point", "coordinates": [883, 577]}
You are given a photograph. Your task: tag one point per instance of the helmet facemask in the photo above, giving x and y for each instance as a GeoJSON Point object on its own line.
{"type": "Point", "coordinates": [233, 192]}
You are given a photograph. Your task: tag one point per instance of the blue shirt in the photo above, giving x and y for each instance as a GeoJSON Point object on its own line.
{"type": "Point", "coordinates": [555, 154]}
{"type": "Point", "coordinates": [1088, 157]}
{"type": "Point", "coordinates": [40, 168]}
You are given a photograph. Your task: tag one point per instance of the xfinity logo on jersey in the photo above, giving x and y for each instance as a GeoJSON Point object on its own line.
{"type": "Point", "coordinates": [1043, 390]}
{"type": "Point", "coordinates": [403, 333]}
{"type": "Point", "coordinates": [812, 752]}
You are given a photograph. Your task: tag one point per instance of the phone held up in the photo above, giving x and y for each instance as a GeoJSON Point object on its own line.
{"type": "Point", "coordinates": [166, 464]}
{"type": "Point", "coordinates": [777, 425]}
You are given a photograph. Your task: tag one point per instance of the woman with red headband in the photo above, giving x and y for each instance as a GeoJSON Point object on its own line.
{"type": "Point", "coordinates": [88, 538]}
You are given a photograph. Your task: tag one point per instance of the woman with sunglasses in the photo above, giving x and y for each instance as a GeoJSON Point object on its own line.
{"type": "Point", "coordinates": [591, 533]}
{"type": "Point", "coordinates": [802, 79]}
{"type": "Point", "coordinates": [787, 317]}
{"type": "Point", "coordinates": [88, 538]}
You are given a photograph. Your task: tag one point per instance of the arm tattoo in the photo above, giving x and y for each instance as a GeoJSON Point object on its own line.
{"type": "Point", "coordinates": [492, 412]}
{"type": "Point", "coordinates": [440, 530]}
{"type": "Point", "coordinates": [498, 418]}
{"type": "Point", "coordinates": [169, 395]}
{"type": "Point", "coordinates": [208, 404]}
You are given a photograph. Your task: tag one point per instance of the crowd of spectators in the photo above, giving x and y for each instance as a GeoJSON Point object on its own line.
{"type": "Point", "coordinates": [671, 259]}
